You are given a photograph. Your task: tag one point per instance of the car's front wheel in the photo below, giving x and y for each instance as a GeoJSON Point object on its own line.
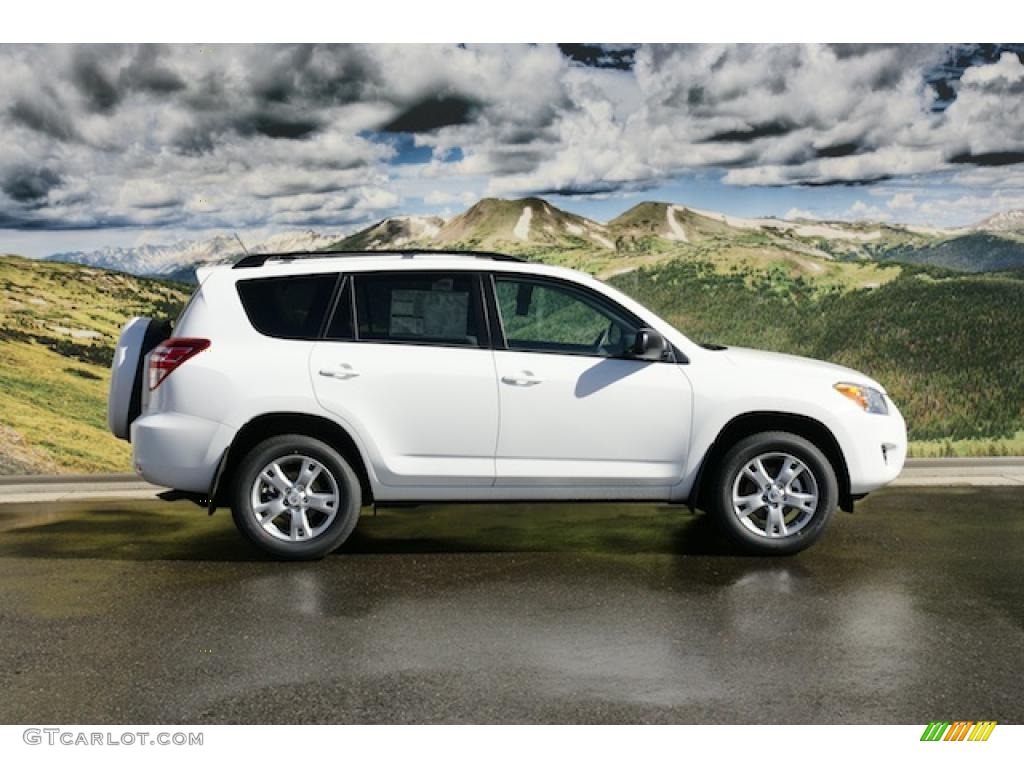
{"type": "Point", "coordinates": [773, 493]}
{"type": "Point", "coordinates": [296, 497]}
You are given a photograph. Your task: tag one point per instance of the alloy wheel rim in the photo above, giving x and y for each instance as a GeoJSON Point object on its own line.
{"type": "Point", "coordinates": [295, 498]}
{"type": "Point", "coordinates": [775, 495]}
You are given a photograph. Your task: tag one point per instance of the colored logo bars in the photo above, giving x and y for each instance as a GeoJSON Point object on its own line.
{"type": "Point", "coordinates": [959, 730]}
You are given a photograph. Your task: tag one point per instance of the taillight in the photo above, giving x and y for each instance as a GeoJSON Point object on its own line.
{"type": "Point", "coordinates": [169, 354]}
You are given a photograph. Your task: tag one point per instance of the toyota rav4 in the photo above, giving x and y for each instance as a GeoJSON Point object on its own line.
{"type": "Point", "coordinates": [298, 388]}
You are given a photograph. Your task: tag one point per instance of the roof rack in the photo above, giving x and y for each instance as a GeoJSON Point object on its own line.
{"type": "Point", "coordinates": [259, 259]}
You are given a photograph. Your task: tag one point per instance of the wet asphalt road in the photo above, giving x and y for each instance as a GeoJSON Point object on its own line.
{"type": "Point", "coordinates": [134, 612]}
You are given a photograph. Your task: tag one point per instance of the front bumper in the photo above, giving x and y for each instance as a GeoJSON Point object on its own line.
{"type": "Point", "coordinates": [875, 448]}
{"type": "Point", "coordinates": [177, 450]}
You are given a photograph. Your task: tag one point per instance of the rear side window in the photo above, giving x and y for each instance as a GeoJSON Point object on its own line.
{"type": "Point", "coordinates": [287, 307]}
{"type": "Point", "coordinates": [419, 308]}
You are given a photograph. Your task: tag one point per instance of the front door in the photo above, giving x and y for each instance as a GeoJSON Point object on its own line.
{"type": "Point", "coordinates": [576, 411]}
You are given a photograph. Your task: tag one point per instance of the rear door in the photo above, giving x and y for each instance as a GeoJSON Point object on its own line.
{"type": "Point", "coordinates": [406, 362]}
{"type": "Point", "coordinates": [576, 411]}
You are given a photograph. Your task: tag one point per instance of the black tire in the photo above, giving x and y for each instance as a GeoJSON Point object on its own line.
{"type": "Point", "coordinates": [286, 448]}
{"type": "Point", "coordinates": [735, 462]}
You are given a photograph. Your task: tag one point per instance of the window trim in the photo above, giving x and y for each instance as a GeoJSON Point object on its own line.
{"type": "Point", "coordinates": [498, 340]}
{"type": "Point", "coordinates": [478, 302]}
{"type": "Point", "coordinates": [339, 292]}
{"type": "Point", "coordinates": [569, 286]}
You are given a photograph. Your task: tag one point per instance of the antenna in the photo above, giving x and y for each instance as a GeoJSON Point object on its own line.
{"type": "Point", "coordinates": [241, 243]}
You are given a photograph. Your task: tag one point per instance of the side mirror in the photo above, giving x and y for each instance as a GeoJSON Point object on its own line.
{"type": "Point", "coordinates": [648, 345]}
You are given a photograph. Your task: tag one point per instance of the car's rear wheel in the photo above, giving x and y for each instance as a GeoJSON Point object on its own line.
{"type": "Point", "coordinates": [296, 497]}
{"type": "Point", "coordinates": [773, 493]}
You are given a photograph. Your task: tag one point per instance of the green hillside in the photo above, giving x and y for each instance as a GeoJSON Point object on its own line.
{"type": "Point", "coordinates": [58, 327]}
{"type": "Point", "coordinates": [975, 252]}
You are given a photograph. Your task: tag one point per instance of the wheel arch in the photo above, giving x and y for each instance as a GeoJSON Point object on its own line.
{"type": "Point", "coordinates": [751, 423]}
{"type": "Point", "coordinates": [285, 423]}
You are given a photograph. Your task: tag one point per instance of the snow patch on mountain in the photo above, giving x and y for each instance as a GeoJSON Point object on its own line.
{"type": "Point", "coordinates": [284, 242]}
{"type": "Point", "coordinates": [155, 259]}
{"type": "Point", "coordinates": [166, 258]}
{"type": "Point", "coordinates": [415, 228]}
{"type": "Point", "coordinates": [675, 229]}
{"type": "Point", "coordinates": [522, 228]}
{"type": "Point", "coordinates": [824, 230]}
{"type": "Point", "coordinates": [1004, 221]}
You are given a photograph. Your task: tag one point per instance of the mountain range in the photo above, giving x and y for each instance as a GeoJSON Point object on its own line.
{"type": "Point", "coordinates": [646, 233]}
{"type": "Point", "coordinates": [171, 258]}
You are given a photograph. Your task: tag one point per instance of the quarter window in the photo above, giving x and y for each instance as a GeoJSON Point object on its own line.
{"type": "Point", "coordinates": [287, 307]}
{"type": "Point", "coordinates": [419, 308]}
{"type": "Point", "coordinates": [541, 316]}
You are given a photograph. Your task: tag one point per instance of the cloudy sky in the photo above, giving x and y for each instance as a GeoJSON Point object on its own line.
{"type": "Point", "coordinates": [120, 145]}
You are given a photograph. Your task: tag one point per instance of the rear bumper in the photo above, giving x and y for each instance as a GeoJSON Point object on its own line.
{"type": "Point", "coordinates": [178, 451]}
{"type": "Point", "coordinates": [875, 449]}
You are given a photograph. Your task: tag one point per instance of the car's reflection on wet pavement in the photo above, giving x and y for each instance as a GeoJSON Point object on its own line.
{"type": "Point", "coordinates": [909, 611]}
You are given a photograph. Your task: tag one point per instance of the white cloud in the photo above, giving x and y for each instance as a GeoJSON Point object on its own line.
{"type": "Point", "coordinates": [442, 197]}
{"type": "Point", "coordinates": [969, 208]}
{"type": "Point", "coordinates": [861, 211]}
{"type": "Point", "coordinates": [989, 110]}
{"type": "Point", "coordinates": [273, 135]}
{"type": "Point", "coordinates": [902, 201]}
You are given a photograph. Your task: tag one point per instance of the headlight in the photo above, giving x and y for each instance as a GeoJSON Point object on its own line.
{"type": "Point", "coordinates": [871, 400]}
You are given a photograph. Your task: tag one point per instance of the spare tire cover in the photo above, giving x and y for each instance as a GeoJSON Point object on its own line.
{"type": "Point", "coordinates": [124, 403]}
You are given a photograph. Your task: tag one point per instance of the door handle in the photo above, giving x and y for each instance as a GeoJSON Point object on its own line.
{"type": "Point", "coordinates": [522, 379]}
{"type": "Point", "coordinates": [343, 371]}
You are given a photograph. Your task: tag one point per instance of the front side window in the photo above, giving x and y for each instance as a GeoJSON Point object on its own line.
{"type": "Point", "coordinates": [287, 307]}
{"type": "Point", "coordinates": [419, 308]}
{"type": "Point", "coordinates": [541, 316]}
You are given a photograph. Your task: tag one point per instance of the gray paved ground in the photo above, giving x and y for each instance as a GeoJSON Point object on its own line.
{"type": "Point", "coordinates": [909, 611]}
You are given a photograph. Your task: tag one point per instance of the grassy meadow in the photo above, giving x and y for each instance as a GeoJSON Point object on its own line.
{"type": "Point", "coordinates": [58, 327]}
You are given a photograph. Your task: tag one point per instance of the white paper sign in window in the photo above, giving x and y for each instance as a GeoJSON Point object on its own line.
{"type": "Point", "coordinates": [429, 314]}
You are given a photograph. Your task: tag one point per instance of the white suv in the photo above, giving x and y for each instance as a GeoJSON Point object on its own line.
{"type": "Point", "coordinates": [300, 387]}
